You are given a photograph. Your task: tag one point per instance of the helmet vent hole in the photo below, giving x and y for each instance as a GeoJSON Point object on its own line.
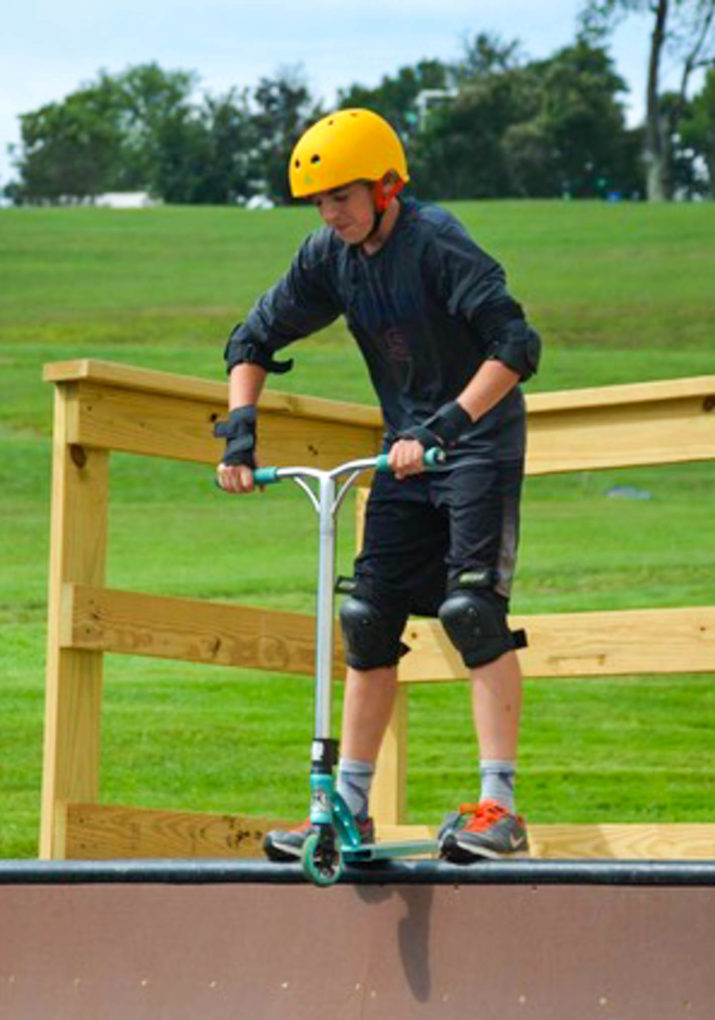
{"type": "Point", "coordinates": [297, 164]}
{"type": "Point", "coordinates": [315, 158]}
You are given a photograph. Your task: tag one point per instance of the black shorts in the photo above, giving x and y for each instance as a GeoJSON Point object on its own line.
{"type": "Point", "coordinates": [423, 533]}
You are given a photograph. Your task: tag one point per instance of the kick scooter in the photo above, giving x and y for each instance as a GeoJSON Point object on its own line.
{"type": "Point", "coordinates": [335, 841]}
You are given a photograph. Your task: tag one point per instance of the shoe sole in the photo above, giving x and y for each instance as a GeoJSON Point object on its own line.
{"type": "Point", "coordinates": [465, 853]}
{"type": "Point", "coordinates": [282, 852]}
{"type": "Point", "coordinates": [286, 852]}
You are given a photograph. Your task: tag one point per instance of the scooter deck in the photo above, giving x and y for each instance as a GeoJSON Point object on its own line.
{"type": "Point", "coordinates": [382, 851]}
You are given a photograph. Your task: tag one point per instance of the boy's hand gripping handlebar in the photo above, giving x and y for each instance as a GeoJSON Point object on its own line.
{"type": "Point", "coordinates": [432, 458]}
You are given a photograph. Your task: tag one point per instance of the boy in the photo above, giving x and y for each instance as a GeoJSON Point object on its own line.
{"type": "Point", "coordinates": [446, 347]}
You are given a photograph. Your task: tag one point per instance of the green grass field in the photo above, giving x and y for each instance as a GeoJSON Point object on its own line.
{"type": "Point", "coordinates": [621, 293]}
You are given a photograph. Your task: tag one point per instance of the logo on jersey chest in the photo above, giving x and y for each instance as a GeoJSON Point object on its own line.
{"type": "Point", "coordinates": [396, 344]}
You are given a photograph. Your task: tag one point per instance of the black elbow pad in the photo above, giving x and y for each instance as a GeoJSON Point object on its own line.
{"type": "Point", "coordinates": [239, 349]}
{"type": "Point", "coordinates": [518, 346]}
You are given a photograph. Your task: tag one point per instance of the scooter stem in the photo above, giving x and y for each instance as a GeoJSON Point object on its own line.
{"type": "Point", "coordinates": [325, 609]}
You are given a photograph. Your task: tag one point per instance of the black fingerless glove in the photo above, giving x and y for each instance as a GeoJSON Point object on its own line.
{"type": "Point", "coordinates": [443, 429]}
{"type": "Point", "coordinates": [240, 435]}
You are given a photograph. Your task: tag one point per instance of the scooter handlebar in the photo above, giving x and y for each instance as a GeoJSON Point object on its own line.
{"type": "Point", "coordinates": [432, 458]}
{"type": "Point", "coordinates": [270, 475]}
{"type": "Point", "coordinates": [266, 476]}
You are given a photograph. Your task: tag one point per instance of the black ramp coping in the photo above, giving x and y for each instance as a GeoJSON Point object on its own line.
{"type": "Point", "coordinates": [217, 871]}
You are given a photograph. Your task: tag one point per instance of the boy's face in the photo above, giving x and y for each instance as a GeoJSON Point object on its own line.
{"type": "Point", "coordinates": [349, 211]}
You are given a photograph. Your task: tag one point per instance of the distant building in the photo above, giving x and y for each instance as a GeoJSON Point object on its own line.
{"type": "Point", "coordinates": [428, 99]}
{"type": "Point", "coordinates": [260, 202]}
{"type": "Point", "coordinates": [125, 200]}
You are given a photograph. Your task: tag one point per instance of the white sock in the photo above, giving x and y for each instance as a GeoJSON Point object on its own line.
{"type": "Point", "coordinates": [354, 782]}
{"type": "Point", "coordinates": [497, 778]}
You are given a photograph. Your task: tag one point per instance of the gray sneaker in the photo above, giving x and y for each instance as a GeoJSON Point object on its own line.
{"type": "Point", "coordinates": [287, 845]}
{"type": "Point", "coordinates": [483, 831]}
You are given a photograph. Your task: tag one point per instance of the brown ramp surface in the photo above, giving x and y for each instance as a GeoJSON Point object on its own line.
{"type": "Point", "coordinates": [142, 943]}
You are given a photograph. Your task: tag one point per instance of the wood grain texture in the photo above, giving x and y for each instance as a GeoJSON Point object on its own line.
{"type": "Point", "coordinates": [103, 831]}
{"type": "Point", "coordinates": [181, 428]}
{"type": "Point", "coordinates": [196, 630]}
{"type": "Point", "coordinates": [618, 643]}
{"type": "Point", "coordinates": [388, 797]}
{"type": "Point", "coordinates": [162, 414]}
{"type": "Point", "coordinates": [73, 691]}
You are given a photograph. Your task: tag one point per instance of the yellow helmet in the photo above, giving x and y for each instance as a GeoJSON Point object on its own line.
{"type": "Point", "coordinates": [345, 146]}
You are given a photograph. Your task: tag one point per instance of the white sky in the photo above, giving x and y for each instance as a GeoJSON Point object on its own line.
{"type": "Point", "coordinates": [48, 48]}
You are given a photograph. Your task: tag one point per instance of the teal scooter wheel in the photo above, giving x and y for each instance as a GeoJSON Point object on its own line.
{"type": "Point", "coordinates": [320, 867]}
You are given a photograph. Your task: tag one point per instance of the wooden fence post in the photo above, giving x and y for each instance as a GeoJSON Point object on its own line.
{"type": "Point", "coordinates": [388, 798]}
{"type": "Point", "coordinates": [78, 538]}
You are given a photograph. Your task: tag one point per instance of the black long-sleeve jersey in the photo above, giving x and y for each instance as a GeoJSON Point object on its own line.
{"type": "Point", "coordinates": [426, 310]}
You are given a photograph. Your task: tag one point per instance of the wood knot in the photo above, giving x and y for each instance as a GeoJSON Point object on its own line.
{"type": "Point", "coordinates": [78, 455]}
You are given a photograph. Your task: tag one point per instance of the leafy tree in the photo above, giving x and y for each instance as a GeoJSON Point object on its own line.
{"type": "Point", "coordinates": [582, 118]}
{"type": "Point", "coordinates": [230, 143]}
{"type": "Point", "coordinates": [685, 29]}
{"type": "Point", "coordinates": [105, 136]}
{"type": "Point", "coordinates": [486, 54]}
{"type": "Point", "coordinates": [396, 97]}
{"type": "Point", "coordinates": [698, 132]}
{"type": "Point", "coordinates": [69, 149]}
{"type": "Point", "coordinates": [545, 129]}
{"type": "Point", "coordinates": [283, 109]}
{"type": "Point", "coordinates": [154, 107]}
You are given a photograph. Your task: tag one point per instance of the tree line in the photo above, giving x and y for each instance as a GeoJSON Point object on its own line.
{"type": "Point", "coordinates": [492, 124]}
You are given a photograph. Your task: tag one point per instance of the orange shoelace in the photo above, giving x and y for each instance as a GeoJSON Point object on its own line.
{"type": "Point", "coordinates": [483, 815]}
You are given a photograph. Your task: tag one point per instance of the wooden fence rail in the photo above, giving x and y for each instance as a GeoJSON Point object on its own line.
{"type": "Point", "coordinates": [101, 406]}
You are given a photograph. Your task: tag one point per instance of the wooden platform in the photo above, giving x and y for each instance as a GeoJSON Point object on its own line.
{"type": "Point", "coordinates": [102, 832]}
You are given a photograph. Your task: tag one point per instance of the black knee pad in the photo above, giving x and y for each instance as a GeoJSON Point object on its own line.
{"type": "Point", "coordinates": [372, 637]}
{"type": "Point", "coordinates": [475, 622]}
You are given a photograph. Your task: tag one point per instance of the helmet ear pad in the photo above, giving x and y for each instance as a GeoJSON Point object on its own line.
{"type": "Point", "coordinates": [384, 190]}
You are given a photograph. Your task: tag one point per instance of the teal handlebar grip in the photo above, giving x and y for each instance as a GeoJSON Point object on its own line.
{"type": "Point", "coordinates": [266, 476]}
{"type": "Point", "coordinates": [432, 458]}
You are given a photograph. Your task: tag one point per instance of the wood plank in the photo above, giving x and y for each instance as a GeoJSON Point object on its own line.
{"type": "Point", "coordinates": [576, 438]}
{"type": "Point", "coordinates": [195, 630]}
{"type": "Point", "coordinates": [616, 643]}
{"type": "Point", "coordinates": [103, 831]}
{"type": "Point", "coordinates": [181, 428]}
{"type": "Point", "coordinates": [161, 414]}
{"type": "Point", "coordinates": [700, 386]}
{"type": "Point", "coordinates": [659, 841]}
{"type": "Point", "coordinates": [150, 381]}
{"type": "Point", "coordinates": [388, 797]}
{"type": "Point", "coordinates": [78, 535]}
{"type": "Point", "coordinates": [628, 642]}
